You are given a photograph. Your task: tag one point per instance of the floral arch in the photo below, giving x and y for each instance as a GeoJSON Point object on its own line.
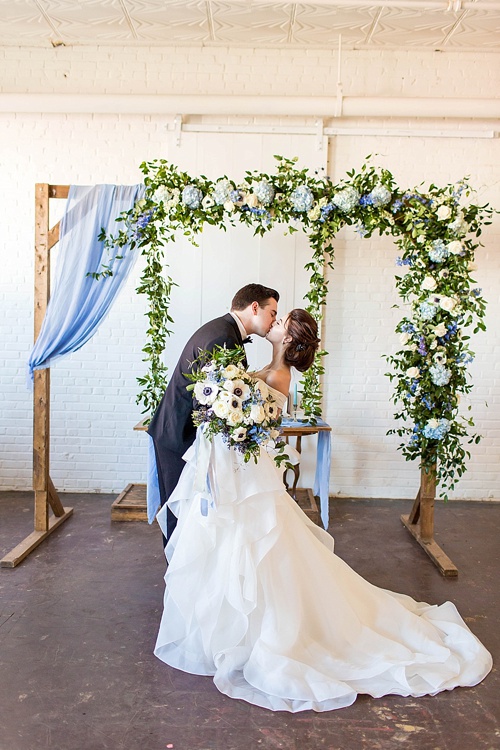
{"type": "Point", "coordinates": [436, 232]}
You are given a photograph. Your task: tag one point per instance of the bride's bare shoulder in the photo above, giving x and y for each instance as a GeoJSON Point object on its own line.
{"type": "Point", "coordinates": [280, 380]}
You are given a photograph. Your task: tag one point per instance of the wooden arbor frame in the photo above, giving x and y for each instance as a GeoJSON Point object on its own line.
{"type": "Point", "coordinates": [46, 496]}
{"type": "Point", "coordinates": [420, 522]}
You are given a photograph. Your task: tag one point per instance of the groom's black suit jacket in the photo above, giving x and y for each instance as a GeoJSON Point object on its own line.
{"type": "Point", "coordinates": [172, 427]}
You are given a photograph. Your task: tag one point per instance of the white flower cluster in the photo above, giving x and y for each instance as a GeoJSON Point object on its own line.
{"type": "Point", "coordinates": [380, 196]}
{"type": "Point", "coordinates": [222, 191]}
{"type": "Point", "coordinates": [237, 406]}
{"type": "Point", "coordinates": [346, 199]}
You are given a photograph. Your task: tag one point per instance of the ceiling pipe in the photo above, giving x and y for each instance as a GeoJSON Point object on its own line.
{"type": "Point", "coordinates": [298, 106]}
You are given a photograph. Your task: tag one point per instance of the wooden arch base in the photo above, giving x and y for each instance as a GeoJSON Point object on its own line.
{"type": "Point", "coordinates": [420, 523]}
{"type": "Point", "coordinates": [46, 496]}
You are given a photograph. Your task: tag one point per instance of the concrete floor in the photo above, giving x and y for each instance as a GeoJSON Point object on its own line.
{"type": "Point", "coordinates": [78, 622]}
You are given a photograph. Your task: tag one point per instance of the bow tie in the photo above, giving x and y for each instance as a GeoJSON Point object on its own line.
{"type": "Point", "coordinates": [248, 340]}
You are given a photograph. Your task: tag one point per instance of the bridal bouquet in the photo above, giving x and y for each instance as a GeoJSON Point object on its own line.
{"type": "Point", "coordinates": [230, 403]}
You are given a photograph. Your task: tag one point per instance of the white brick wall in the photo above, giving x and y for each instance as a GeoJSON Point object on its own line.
{"type": "Point", "coordinates": [93, 391]}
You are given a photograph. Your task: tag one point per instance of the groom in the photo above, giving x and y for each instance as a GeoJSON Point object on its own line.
{"type": "Point", "coordinates": [253, 310]}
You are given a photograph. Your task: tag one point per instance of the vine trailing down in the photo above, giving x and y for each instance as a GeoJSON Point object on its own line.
{"type": "Point", "coordinates": [436, 232]}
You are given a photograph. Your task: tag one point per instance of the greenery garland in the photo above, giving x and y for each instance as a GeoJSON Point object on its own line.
{"type": "Point", "coordinates": [433, 231]}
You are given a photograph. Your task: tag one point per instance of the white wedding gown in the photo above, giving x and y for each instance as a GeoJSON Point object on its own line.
{"type": "Point", "coordinates": [256, 598]}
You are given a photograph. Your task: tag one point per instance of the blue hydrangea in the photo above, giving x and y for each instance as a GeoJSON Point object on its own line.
{"type": "Point", "coordinates": [440, 375]}
{"type": "Point", "coordinates": [366, 200]}
{"type": "Point", "coordinates": [476, 292]}
{"type": "Point", "coordinates": [302, 198]}
{"type": "Point", "coordinates": [346, 199]}
{"type": "Point", "coordinates": [433, 431]}
{"type": "Point", "coordinates": [427, 311]}
{"type": "Point", "coordinates": [396, 206]}
{"type": "Point", "coordinates": [361, 230]}
{"type": "Point", "coordinates": [191, 196]}
{"type": "Point", "coordinates": [438, 251]}
{"type": "Point", "coordinates": [264, 192]}
{"type": "Point", "coordinates": [222, 191]}
{"type": "Point", "coordinates": [380, 195]}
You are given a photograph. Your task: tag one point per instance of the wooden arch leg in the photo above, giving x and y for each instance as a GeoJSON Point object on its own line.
{"type": "Point", "coordinates": [420, 523]}
{"type": "Point", "coordinates": [45, 493]}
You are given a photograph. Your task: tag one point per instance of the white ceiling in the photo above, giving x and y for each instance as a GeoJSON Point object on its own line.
{"type": "Point", "coordinates": [460, 25]}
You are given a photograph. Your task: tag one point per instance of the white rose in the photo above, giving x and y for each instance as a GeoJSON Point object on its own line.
{"type": "Point", "coordinates": [413, 372]}
{"type": "Point", "coordinates": [440, 330]}
{"type": "Point", "coordinates": [257, 413]}
{"type": "Point", "coordinates": [229, 207]}
{"type": "Point", "coordinates": [231, 371]}
{"type": "Point", "coordinates": [455, 247]}
{"type": "Point", "coordinates": [433, 423]}
{"type": "Point", "coordinates": [472, 266]}
{"type": "Point", "coordinates": [404, 338]}
{"type": "Point", "coordinates": [274, 434]}
{"type": "Point", "coordinates": [221, 408]}
{"type": "Point", "coordinates": [433, 344]}
{"type": "Point", "coordinates": [443, 212]}
{"type": "Point", "coordinates": [251, 200]}
{"type": "Point", "coordinates": [429, 283]}
{"type": "Point", "coordinates": [234, 417]}
{"type": "Point", "coordinates": [447, 303]}
{"type": "Point", "coordinates": [314, 213]}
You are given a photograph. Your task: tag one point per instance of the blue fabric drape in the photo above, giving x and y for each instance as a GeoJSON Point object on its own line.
{"type": "Point", "coordinates": [79, 303]}
{"type": "Point", "coordinates": [323, 462]}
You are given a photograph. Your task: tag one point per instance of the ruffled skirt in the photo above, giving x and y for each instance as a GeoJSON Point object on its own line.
{"type": "Point", "coordinates": [256, 598]}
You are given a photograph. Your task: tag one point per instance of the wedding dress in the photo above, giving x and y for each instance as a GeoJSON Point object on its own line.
{"type": "Point", "coordinates": [256, 598]}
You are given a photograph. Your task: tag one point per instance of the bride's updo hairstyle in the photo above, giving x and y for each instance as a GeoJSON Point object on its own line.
{"type": "Point", "coordinates": [303, 330]}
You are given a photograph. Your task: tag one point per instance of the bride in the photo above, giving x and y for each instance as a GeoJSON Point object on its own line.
{"type": "Point", "coordinates": [256, 597]}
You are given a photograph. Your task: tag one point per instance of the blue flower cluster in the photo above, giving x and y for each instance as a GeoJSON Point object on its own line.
{"type": "Point", "coordinates": [436, 432]}
{"type": "Point", "coordinates": [346, 199]}
{"type": "Point", "coordinates": [222, 191]}
{"type": "Point", "coordinates": [302, 198]}
{"type": "Point", "coordinates": [145, 218]}
{"type": "Point", "coordinates": [428, 403]}
{"type": "Point", "coordinates": [191, 196]}
{"type": "Point", "coordinates": [361, 230]}
{"type": "Point", "coordinates": [427, 311]}
{"type": "Point", "coordinates": [440, 375]}
{"type": "Point", "coordinates": [438, 252]}
{"type": "Point", "coordinates": [408, 328]}
{"type": "Point", "coordinates": [476, 292]}
{"type": "Point", "coordinates": [264, 192]}
{"type": "Point", "coordinates": [396, 206]}
{"type": "Point", "coordinates": [404, 261]}
{"type": "Point", "coordinates": [422, 349]}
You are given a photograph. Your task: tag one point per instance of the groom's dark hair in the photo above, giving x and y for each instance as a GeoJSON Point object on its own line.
{"type": "Point", "coordinates": [253, 293]}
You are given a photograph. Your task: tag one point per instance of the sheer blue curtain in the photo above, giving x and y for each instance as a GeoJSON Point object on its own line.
{"type": "Point", "coordinates": [79, 303]}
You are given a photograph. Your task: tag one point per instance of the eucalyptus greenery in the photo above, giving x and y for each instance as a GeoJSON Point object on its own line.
{"type": "Point", "coordinates": [433, 231]}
